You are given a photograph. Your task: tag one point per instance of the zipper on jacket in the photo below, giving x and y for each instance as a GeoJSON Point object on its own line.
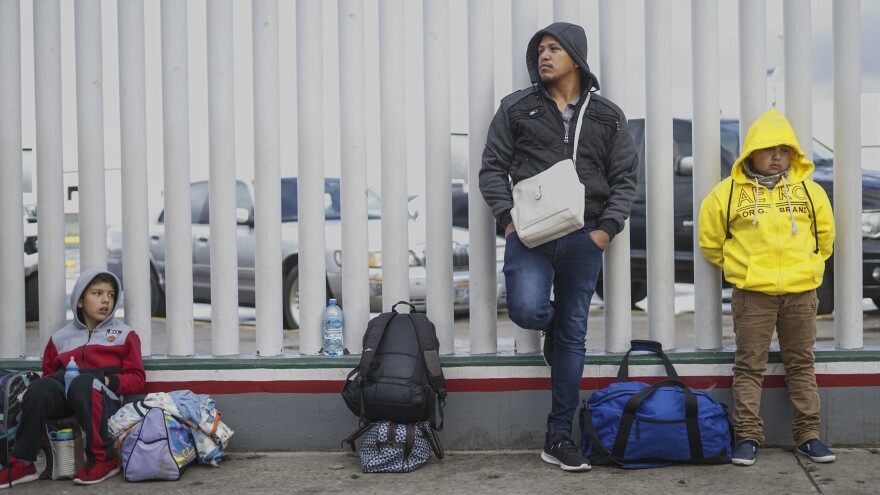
{"type": "Point", "coordinates": [83, 353]}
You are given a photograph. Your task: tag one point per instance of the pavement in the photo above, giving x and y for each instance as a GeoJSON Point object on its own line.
{"type": "Point", "coordinates": [776, 471]}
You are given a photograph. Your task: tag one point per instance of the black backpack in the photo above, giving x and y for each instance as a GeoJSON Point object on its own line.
{"type": "Point", "coordinates": [399, 377]}
{"type": "Point", "coordinates": [13, 385]}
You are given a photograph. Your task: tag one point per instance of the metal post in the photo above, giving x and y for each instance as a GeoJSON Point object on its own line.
{"type": "Point", "coordinates": [568, 11]}
{"type": "Point", "coordinates": [50, 168]}
{"type": "Point", "coordinates": [527, 20]}
{"type": "Point", "coordinates": [12, 335]}
{"type": "Point", "coordinates": [848, 293]}
{"type": "Point", "coordinates": [353, 137]}
{"type": "Point", "coordinates": [221, 135]}
{"type": "Point", "coordinates": [752, 63]}
{"type": "Point", "coordinates": [392, 91]}
{"type": "Point", "coordinates": [178, 221]}
{"type": "Point", "coordinates": [267, 178]}
{"type": "Point", "coordinates": [658, 150]}
{"type": "Point", "coordinates": [707, 142]}
{"type": "Point", "coordinates": [438, 174]}
{"type": "Point", "coordinates": [310, 185]}
{"type": "Point", "coordinates": [90, 135]}
{"type": "Point", "coordinates": [618, 276]}
{"type": "Point", "coordinates": [798, 71]}
{"type": "Point", "coordinates": [481, 106]}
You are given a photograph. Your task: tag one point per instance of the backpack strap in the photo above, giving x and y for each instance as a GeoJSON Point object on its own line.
{"type": "Point", "coordinates": [371, 343]}
{"type": "Point", "coordinates": [431, 352]}
{"type": "Point", "coordinates": [356, 434]}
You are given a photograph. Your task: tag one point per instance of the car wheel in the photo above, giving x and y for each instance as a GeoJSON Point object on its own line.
{"type": "Point", "coordinates": [291, 298]}
{"type": "Point", "coordinates": [32, 297]}
{"type": "Point", "coordinates": [825, 293]}
{"type": "Point", "coordinates": [157, 296]}
{"type": "Point", "coordinates": [638, 290]}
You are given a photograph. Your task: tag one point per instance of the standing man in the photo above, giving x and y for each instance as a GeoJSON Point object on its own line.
{"type": "Point", "coordinates": [531, 131]}
{"type": "Point", "coordinates": [771, 228]}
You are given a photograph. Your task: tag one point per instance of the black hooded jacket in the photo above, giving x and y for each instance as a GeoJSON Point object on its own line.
{"type": "Point", "coordinates": [527, 136]}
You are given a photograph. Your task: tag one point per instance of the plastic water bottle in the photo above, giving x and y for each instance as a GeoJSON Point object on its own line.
{"type": "Point", "coordinates": [72, 371]}
{"type": "Point", "coordinates": [333, 330]}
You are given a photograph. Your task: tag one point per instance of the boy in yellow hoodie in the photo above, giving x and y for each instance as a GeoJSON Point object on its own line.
{"type": "Point", "coordinates": [770, 228]}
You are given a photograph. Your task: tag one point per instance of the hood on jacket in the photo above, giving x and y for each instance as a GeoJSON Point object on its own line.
{"type": "Point", "coordinates": [769, 130]}
{"type": "Point", "coordinates": [82, 282]}
{"type": "Point", "coordinates": [573, 38]}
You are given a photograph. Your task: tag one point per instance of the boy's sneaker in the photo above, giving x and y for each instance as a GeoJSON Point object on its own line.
{"type": "Point", "coordinates": [99, 471]}
{"type": "Point", "coordinates": [17, 472]}
{"type": "Point", "coordinates": [560, 450]}
{"type": "Point", "coordinates": [745, 453]}
{"type": "Point", "coordinates": [816, 450]}
{"type": "Point", "coordinates": [548, 348]}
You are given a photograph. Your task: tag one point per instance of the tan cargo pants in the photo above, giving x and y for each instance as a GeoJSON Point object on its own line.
{"type": "Point", "coordinates": [755, 316]}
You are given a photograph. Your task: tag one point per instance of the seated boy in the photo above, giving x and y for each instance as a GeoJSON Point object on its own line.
{"type": "Point", "coordinates": [108, 353]}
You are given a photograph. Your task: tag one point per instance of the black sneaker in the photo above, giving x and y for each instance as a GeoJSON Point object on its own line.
{"type": "Point", "coordinates": [548, 347]}
{"type": "Point", "coordinates": [745, 453]}
{"type": "Point", "coordinates": [560, 450]}
{"type": "Point", "coordinates": [816, 450]}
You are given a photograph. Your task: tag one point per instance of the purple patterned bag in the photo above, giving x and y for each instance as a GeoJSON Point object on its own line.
{"type": "Point", "coordinates": [157, 448]}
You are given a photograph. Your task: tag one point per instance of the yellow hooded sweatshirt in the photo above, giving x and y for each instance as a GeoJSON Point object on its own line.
{"type": "Point", "coordinates": [779, 240]}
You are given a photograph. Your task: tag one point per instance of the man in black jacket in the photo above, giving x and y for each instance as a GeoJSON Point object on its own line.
{"type": "Point", "coordinates": [532, 130]}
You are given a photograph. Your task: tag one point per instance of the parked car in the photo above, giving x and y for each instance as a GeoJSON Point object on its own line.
{"type": "Point", "coordinates": [31, 263]}
{"type": "Point", "coordinates": [289, 238]}
{"type": "Point", "coordinates": [681, 166]}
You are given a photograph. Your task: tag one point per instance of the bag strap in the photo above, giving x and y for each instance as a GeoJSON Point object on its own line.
{"type": "Point", "coordinates": [649, 346]}
{"type": "Point", "coordinates": [433, 439]}
{"type": "Point", "coordinates": [355, 435]}
{"type": "Point", "coordinates": [408, 442]}
{"type": "Point", "coordinates": [430, 347]}
{"type": "Point", "coordinates": [577, 129]}
{"type": "Point", "coordinates": [371, 342]}
{"type": "Point", "coordinates": [691, 409]}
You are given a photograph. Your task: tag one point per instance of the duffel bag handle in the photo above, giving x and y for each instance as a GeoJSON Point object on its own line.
{"type": "Point", "coordinates": [691, 411]}
{"type": "Point", "coordinates": [649, 346]}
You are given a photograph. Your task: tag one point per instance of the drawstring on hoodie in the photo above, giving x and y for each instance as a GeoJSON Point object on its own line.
{"type": "Point", "coordinates": [785, 181]}
{"type": "Point", "coordinates": [755, 216]}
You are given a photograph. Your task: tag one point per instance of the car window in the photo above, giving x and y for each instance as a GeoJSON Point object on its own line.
{"type": "Point", "coordinates": [332, 201]}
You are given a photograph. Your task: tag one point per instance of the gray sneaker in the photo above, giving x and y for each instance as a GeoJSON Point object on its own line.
{"type": "Point", "coordinates": [745, 453]}
{"type": "Point", "coordinates": [560, 450]}
{"type": "Point", "coordinates": [816, 450]}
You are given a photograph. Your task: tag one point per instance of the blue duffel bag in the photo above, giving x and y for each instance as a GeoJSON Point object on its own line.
{"type": "Point", "coordinates": [635, 424]}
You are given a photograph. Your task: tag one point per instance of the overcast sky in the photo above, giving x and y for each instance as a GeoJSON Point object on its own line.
{"type": "Point", "coordinates": [506, 61]}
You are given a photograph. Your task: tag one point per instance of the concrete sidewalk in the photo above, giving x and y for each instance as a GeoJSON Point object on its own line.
{"type": "Point", "coordinates": [777, 471]}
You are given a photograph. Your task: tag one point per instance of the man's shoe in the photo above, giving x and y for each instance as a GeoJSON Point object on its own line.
{"type": "Point", "coordinates": [16, 473]}
{"type": "Point", "coordinates": [548, 347]}
{"type": "Point", "coordinates": [745, 453]}
{"type": "Point", "coordinates": [100, 471]}
{"type": "Point", "coordinates": [816, 450]}
{"type": "Point", "coordinates": [560, 450]}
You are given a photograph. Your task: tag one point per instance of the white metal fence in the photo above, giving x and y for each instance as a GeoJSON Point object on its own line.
{"type": "Point", "coordinates": [288, 36]}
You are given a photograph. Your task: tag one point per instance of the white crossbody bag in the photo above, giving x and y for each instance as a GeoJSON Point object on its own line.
{"type": "Point", "coordinates": [550, 205]}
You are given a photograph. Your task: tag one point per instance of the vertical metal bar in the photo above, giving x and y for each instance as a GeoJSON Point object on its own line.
{"type": "Point", "coordinates": [90, 135]}
{"type": "Point", "coordinates": [12, 334]}
{"type": "Point", "coordinates": [353, 138]}
{"type": "Point", "coordinates": [752, 63]}
{"type": "Point", "coordinates": [848, 293]}
{"type": "Point", "coordinates": [310, 187]}
{"type": "Point", "coordinates": [178, 217]}
{"type": "Point", "coordinates": [438, 174]}
{"type": "Point", "coordinates": [617, 274]}
{"type": "Point", "coordinates": [267, 178]}
{"type": "Point", "coordinates": [221, 135]}
{"type": "Point", "coordinates": [796, 21]}
{"type": "Point", "coordinates": [658, 151]}
{"type": "Point", "coordinates": [707, 141]}
{"type": "Point", "coordinates": [481, 97]}
{"type": "Point", "coordinates": [133, 133]}
{"type": "Point", "coordinates": [527, 20]}
{"type": "Point", "coordinates": [392, 91]}
{"type": "Point", "coordinates": [567, 11]}
{"type": "Point", "coordinates": [50, 168]}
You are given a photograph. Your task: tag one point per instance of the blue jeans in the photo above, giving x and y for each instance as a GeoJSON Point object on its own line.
{"type": "Point", "coordinates": [569, 267]}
